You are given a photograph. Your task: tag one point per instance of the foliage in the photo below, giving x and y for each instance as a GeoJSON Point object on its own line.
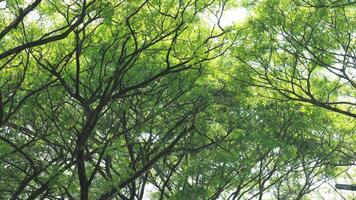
{"type": "Point", "coordinates": [104, 99]}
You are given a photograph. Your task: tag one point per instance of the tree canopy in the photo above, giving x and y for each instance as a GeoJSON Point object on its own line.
{"type": "Point", "coordinates": [125, 99]}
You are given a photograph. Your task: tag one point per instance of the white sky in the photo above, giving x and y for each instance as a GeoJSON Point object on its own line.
{"type": "Point", "coordinates": [2, 4]}
{"type": "Point", "coordinates": [230, 17]}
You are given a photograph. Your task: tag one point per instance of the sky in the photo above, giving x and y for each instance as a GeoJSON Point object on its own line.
{"type": "Point", "coordinates": [230, 17]}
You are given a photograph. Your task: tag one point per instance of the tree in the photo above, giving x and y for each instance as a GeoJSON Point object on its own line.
{"type": "Point", "coordinates": [246, 149]}
{"type": "Point", "coordinates": [79, 92]}
{"type": "Point", "coordinates": [101, 99]}
{"type": "Point", "coordinates": [304, 51]}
